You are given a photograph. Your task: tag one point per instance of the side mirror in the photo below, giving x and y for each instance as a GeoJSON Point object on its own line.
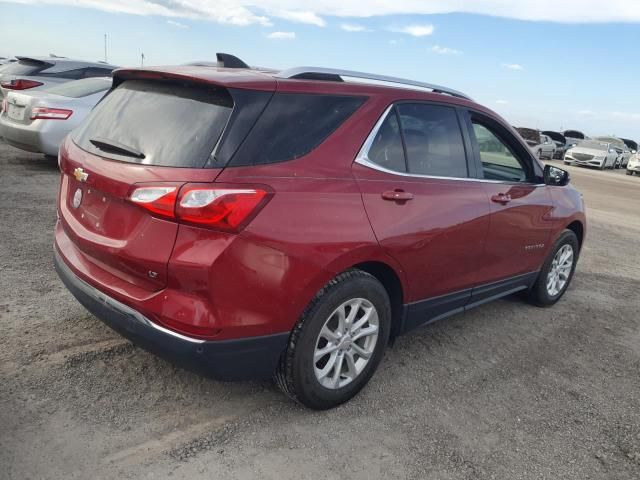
{"type": "Point", "coordinates": [555, 176]}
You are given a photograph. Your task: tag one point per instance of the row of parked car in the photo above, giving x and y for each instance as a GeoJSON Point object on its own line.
{"type": "Point", "coordinates": [576, 148]}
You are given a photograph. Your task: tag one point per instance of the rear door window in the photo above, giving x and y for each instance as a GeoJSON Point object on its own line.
{"type": "Point", "coordinates": [157, 123]}
{"type": "Point", "coordinates": [433, 140]}
{"type": "Point", "coordinates": [292, 125]}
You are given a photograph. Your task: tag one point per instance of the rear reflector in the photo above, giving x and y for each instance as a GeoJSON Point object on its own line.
{"type": "Point", "coordinates": [44, 113]}
{"type": "Point", "coordinates": [20, 84]}
{"type": "Point", "coordinates": [206, 205]}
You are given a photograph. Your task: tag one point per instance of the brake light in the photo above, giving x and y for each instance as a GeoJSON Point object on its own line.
{"type": "Point", "coordinates": [222, 208]}
{"type": "Point", "coordinates": [20, 84]}
{"type": "Point", "coordinates": [45, 113]}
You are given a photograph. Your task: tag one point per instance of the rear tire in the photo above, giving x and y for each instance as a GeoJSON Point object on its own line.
{"type": "Point", "coordinates": [556, 273]}
{"type": "Point", "coordinates": [306, 374]}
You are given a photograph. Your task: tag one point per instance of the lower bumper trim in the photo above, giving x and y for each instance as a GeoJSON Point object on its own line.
{"type": "Point", "coordinates": [241, 359]}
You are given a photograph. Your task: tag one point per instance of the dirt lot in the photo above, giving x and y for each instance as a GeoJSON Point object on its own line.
{"type": "Point", "coordinates": [507, 391]}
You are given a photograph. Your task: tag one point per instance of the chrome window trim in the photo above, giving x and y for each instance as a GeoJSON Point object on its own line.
{"type": "Point", "coordinates": [363, 159]}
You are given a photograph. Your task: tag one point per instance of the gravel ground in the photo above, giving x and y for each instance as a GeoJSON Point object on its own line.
{"type": "Point", "coordinates": [507, 391]}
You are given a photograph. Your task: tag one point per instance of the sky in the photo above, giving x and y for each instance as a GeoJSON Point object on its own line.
{"type": "Point", "coordinates": [553, 65]}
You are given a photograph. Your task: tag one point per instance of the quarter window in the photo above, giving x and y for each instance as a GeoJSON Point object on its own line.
{"type": "Point", "coordinates": [498, 160]}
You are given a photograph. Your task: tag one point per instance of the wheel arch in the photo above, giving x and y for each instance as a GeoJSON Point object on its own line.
{"type": "Point", "coordinates": [578, 228]}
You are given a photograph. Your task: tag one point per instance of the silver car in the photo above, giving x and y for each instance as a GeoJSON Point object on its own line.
{"type": "Point", "coordinates": [36, 73]}
{"type": "Point", "coordinates": [38, 121]}
{"type": "Point", "coordinates": [592, 153]}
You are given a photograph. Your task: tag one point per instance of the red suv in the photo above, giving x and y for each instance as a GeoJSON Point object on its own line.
{"type": "Point", "coordinates": [251, 223]}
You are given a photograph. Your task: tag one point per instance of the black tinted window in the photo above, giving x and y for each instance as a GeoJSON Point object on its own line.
{"type": "Point", "coordinates": [170, 124]}
{"type": "Point", "coordinates": [292, 125]}
{"type": "Point", "coordinates": [386, 149]}
{"type": "Point", "coordinates": [433, 140]}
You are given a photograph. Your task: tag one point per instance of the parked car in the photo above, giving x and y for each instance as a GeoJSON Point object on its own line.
{"type": "Point", "coordinates": [621, 148]}
{"type": "Point", "coordinates": [634, 164]}
{"type": "Point", "coordinates": [571, 135]}
{"type": "Point", "coordinates": [562, 143]}
{"type": "Point", "coordinates": [592, 153]}
{"type": "Point", "coordinates": [38, 121]}
{"type": "Point", "coordinates": [5, 60]}
{"type": "Point", "coordinates": [633, 148]}
{"type": "Point", "coordinates": [246, 224]}
{"type": "Point", "coordinates": [36, 73]}
{"type": "Point", "coordinates": [542, 145]}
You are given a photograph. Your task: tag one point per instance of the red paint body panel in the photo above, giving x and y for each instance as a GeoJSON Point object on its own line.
{"type": "Point", "coordinates": [325, 216]}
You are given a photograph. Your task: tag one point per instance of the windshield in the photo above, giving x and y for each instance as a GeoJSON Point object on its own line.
{"type": "Point", "coordinates": [594, 145]}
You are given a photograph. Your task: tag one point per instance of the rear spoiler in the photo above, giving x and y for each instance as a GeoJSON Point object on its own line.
{"type": "Point", "coordinates": [34, 60]}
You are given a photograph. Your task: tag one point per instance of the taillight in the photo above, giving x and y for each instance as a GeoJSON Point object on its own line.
{"type": "Point", "coordinates": [158, 199]}
{"type": "Point", "coordinates": [20, 84]}
{"type": "Point", "coordinates": [220, 207]}
{"type": "Point", "coordinates": [45, 113]}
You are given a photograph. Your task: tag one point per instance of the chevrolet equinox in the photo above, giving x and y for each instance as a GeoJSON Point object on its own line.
{"type": "Point", "coordinates": [250, 223]}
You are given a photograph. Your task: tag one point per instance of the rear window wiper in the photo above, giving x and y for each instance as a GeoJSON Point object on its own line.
{"type": "Point", "coordinates": [116, 147]}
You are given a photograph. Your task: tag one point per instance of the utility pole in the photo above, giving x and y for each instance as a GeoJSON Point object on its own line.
{"type": "Point", "coordinates": [142, 59]}
{"type": "Point", "coordinates": [105, 48]}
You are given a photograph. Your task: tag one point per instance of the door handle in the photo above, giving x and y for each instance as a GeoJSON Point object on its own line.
{"type": "Point", "coordinates": [397, 195]}
{"type": "Point", "coordinates": [502, 198]}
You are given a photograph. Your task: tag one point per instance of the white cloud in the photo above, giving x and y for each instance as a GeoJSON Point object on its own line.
{"type": "Point", "coordinates": [260, 12]}
{"type": "Point", "coordinates": [282, 35]}
{"type": "Point", "coordinates": [502, 102]}
{"type": "Point", "coordinates": [177, 24]}
{"type": "Point", "coordinates": [414, 30]}
{"type": "Point", "coordinates": [352, 27]}
{"type": "Point", "coordinates": [445, 50]}
{"type": "Point", "coordinates": [301, 17]}
{"type": "Point", "coordinates": [513, 66]}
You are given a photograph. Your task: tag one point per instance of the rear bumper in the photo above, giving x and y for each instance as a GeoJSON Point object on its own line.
{"type": "Point", "coordinates": [241, 359]}
{"type": "Point", "coordinates": [32, 137]}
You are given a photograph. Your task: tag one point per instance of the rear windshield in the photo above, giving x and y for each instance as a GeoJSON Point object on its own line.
{"type": "Point", "coordinates": [24, 67]}
{"type": "Point", "coordinates": [157, 123]}
{"type": "Point", "coordinates": [81, 88]}
{"type": "Point", "coordinates": [293, 125]}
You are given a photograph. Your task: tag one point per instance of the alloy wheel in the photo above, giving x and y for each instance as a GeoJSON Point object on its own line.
{"type": "Point", "coordinates": [560, 270]}
{"type": "Point", "coordinates": [346, 343]}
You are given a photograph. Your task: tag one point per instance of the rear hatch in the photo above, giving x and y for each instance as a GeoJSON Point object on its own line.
{"type": "Point", "coordinates": [144, 132]}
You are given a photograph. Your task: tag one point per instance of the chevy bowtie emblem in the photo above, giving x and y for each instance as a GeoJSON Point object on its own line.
{"type": "Point", "coordinates": [80, 175]}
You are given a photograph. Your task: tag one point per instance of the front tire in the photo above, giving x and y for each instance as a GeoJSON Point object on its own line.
{"type": "Point", "coordinates": [337, 343]}
{"type": "Point", "coordinates": [557, 271]}
{"type": "Point", "coordinates": [629, 172]}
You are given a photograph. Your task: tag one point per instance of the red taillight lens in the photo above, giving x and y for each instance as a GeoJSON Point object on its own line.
{"type": "Point", "coordinates": [158, 199]}
{"type": "Point", "coordinates": [223, 208]}
{"type": "Point", "coordinates": [20, 84]}
{"type": "Point", "coordinates": [45, 113]}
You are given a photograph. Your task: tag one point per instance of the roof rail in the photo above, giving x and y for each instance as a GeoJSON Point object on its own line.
{"type": "Point", "coordinates": [332, 74]}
